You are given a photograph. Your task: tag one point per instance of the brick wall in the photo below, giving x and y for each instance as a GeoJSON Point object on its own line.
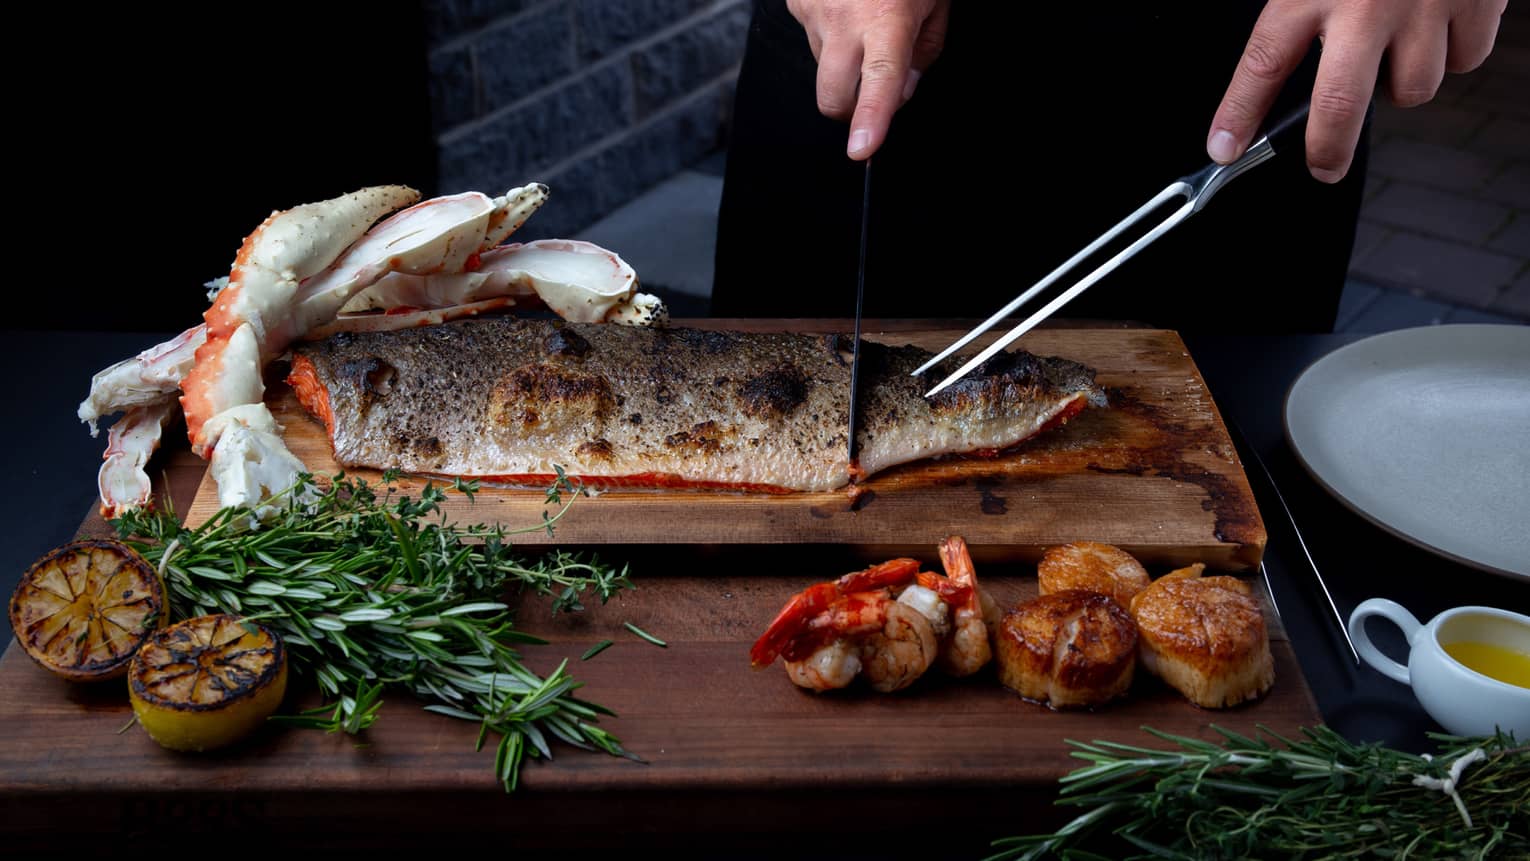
{"type": "Point", "coordinates": [600, 99]}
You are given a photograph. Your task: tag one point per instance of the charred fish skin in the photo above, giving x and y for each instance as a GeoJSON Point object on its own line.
{"type": "Point", "coordinates": [514, 399]}
{"type": "Point", "coordinates": [509, 398]}
{"type": "Point", "coordinates": [1005, 401]}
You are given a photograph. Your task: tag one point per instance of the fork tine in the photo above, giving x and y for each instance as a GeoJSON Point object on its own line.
{"type": "Point", "coordinates": [1172, 190]}
{"type": "Point", "coordinates": [1105, 268]}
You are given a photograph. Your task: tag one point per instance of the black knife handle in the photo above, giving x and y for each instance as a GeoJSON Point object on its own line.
{"type": "Point", "coordinates": [1290, 131]}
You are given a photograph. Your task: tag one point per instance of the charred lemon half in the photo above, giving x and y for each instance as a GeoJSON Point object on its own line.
{"type": "Point", "coordinates": [207, 682]}
{"type": "Point", "coordinates": [84, 609]}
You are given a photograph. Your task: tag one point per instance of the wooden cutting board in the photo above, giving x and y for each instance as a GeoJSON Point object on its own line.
{"type": "Point", "coordinates": [733, 757]}
{"type": "Point", "coordinates": [735, 760]}
{"type": "Point", "coordinates": [1155, 473]}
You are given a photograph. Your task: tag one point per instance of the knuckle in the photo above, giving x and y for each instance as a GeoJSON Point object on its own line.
{"type": "Point", "coordinates": [881, 69]}
{"type": "Point", "coordinates": [1264, 58]}
{"type": "Point", "coordinates": [1339, 104]}
{"type": "Point", "coordinates": [833, 106]}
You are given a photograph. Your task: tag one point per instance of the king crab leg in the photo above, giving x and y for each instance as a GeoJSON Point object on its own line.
{"type": "Point", "coordinates": [579, 281]}
{"type": "Point", "coordinates": [293, 276]}
{"type": "Point", "coordinates": [147, 378]}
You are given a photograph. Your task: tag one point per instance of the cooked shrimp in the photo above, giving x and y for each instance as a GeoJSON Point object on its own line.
{"type": "Point", "coordinates": [831, 632]}
{"type": "Point", "coordinates": [967, 650]}
{"type": "Point", "coordinates": [807, 605]}
{"type": "Point", "coordinates": [868, 633]}
{"type": "Point", "coordinates": [830, 667]}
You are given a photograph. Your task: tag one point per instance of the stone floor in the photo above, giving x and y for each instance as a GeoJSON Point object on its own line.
{"type": "Point", "coordinates": [1444, 234]}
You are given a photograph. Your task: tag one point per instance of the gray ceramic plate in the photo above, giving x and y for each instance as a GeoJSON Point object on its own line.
{"type": "Point", "coordinates": [1426, 432]}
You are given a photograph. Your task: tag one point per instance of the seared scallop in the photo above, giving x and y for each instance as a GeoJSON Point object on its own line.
{"type": "Point", "coordinates": [1070, 648]}
{"type": "Point", "coordinates": [1092, 567]}
{"type": "Point", "coordinates": [1205, 637]}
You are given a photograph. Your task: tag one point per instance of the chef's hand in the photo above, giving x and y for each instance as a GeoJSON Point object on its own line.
{"type": "Point", "coordinates": [882, 45]}
{"type": "Point", "coordinates": [1422, 40]}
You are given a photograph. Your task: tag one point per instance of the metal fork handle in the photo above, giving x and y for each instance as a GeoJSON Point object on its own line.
{"type": "Point", "coordinates": [1288, 133]}
{"type": "Point", "coordinates": [1197, 189]}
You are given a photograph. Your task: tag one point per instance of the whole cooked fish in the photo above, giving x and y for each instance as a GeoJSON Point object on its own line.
{"type": "Point", "coordinates": [506, 400]}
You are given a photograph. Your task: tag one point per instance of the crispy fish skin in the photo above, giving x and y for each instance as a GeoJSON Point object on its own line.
{"type": "Point", "coordinates": [1006, 400]}
{"type": "Point", "coordinates": [509, 399]}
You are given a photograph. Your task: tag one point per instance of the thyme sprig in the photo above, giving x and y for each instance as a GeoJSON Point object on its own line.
{"type": "Point", "coordinates": [372, 590]}
{"type": "Point", "coordinates": [1320, 796]}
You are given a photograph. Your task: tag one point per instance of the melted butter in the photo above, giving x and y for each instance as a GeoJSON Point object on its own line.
{"type": "Point", "coordinates": [1492, 660]}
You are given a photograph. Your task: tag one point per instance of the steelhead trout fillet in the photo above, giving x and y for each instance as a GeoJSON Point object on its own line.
{"type": "Point", "coordinates": [507, 400]}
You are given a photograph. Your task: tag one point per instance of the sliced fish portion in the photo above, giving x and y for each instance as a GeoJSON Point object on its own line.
{"type": "Point", "coordinates": [513, 400]}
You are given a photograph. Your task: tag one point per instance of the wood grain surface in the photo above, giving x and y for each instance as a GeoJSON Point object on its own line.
{"type": "Point", "coordinates": [1154, 473]}
{"type": "Point", "coordinates": [736, 761]}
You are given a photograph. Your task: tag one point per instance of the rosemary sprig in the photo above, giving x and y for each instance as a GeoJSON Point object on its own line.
{"type": "Point", "coordinates": [1321, 796]}
{"type": "Point", "coordinates": [370, 591]}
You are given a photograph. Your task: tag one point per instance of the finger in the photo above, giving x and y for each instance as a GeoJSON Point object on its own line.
{"type": "Point", "coordinates": [805, 13]}
{"type": "Point", "coordinates": [1276, 46]}
{"type": "Point", "coordinates": [815, 44]}
{"type": "Point", "coordinates": [884, 75]}
{"type": "Point", "coordinates": [839, 70]}
{"type": "Point", "coordinates": [927, 46]}
{"type": "Point", "coordinates": [1472, 34]}
{"type": "Point", "coordinates": [1346, 78]}
{"type": "Point", "coordinates": [932, 36]}
{"type": "Point", "coordinates": [1417, 63]}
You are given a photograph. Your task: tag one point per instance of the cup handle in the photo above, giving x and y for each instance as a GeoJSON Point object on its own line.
{"type": "Point", "coordinates": [1400, 617]}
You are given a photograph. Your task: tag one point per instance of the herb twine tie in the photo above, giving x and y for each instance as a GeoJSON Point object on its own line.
{"type": "Point", "coordinates": [1447, 785]}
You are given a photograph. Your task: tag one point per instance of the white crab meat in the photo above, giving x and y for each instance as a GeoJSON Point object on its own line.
{"type": "Point", "coordinates": [394, 320]}
{"type": "Point", "coordinates": [147, 378]}
{"type": "Point", "coordinates": [580, 281]}
{"type": "Point", "coordinates": [252, 463]}
{"type": "Point", "coordinates": [122, 481]}
{"type": "Point", "coordinates": [439, 235]}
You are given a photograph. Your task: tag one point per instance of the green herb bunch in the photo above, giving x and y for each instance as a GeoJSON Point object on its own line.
{"type": "Point", "coordinates": [370, 591]}
{"type": "Point", "coordinates": [1321, 796]}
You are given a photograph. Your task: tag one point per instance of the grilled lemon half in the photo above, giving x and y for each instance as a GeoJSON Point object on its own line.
{"type": "Point", "coordinates": [207, 682]}
{"type": "Point", "coordinates": [84, 609]}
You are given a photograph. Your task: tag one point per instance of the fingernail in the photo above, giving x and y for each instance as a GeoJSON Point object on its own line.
{"type": "Point", "coordinates": [910, 84]}
{"type": "Point", "coordinates": [859, 140]}
{"type": "Point", "coordinates": [1323, 174]}
{"type": "Point", "coordinates": [1222, 147]}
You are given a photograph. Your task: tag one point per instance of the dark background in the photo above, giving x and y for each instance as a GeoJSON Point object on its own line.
{"type": "Point", "coordinates": [155, 138]}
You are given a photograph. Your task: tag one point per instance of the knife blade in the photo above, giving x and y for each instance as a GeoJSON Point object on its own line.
{"type": "Point", "coordinates": [860, 296]}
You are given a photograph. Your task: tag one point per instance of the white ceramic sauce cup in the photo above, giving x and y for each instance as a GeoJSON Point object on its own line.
{"type": "Point", "coordinates": [1460, 699]}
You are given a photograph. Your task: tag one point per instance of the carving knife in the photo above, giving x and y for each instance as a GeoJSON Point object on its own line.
{"type": "Point", "coordinates": [860, 295]}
